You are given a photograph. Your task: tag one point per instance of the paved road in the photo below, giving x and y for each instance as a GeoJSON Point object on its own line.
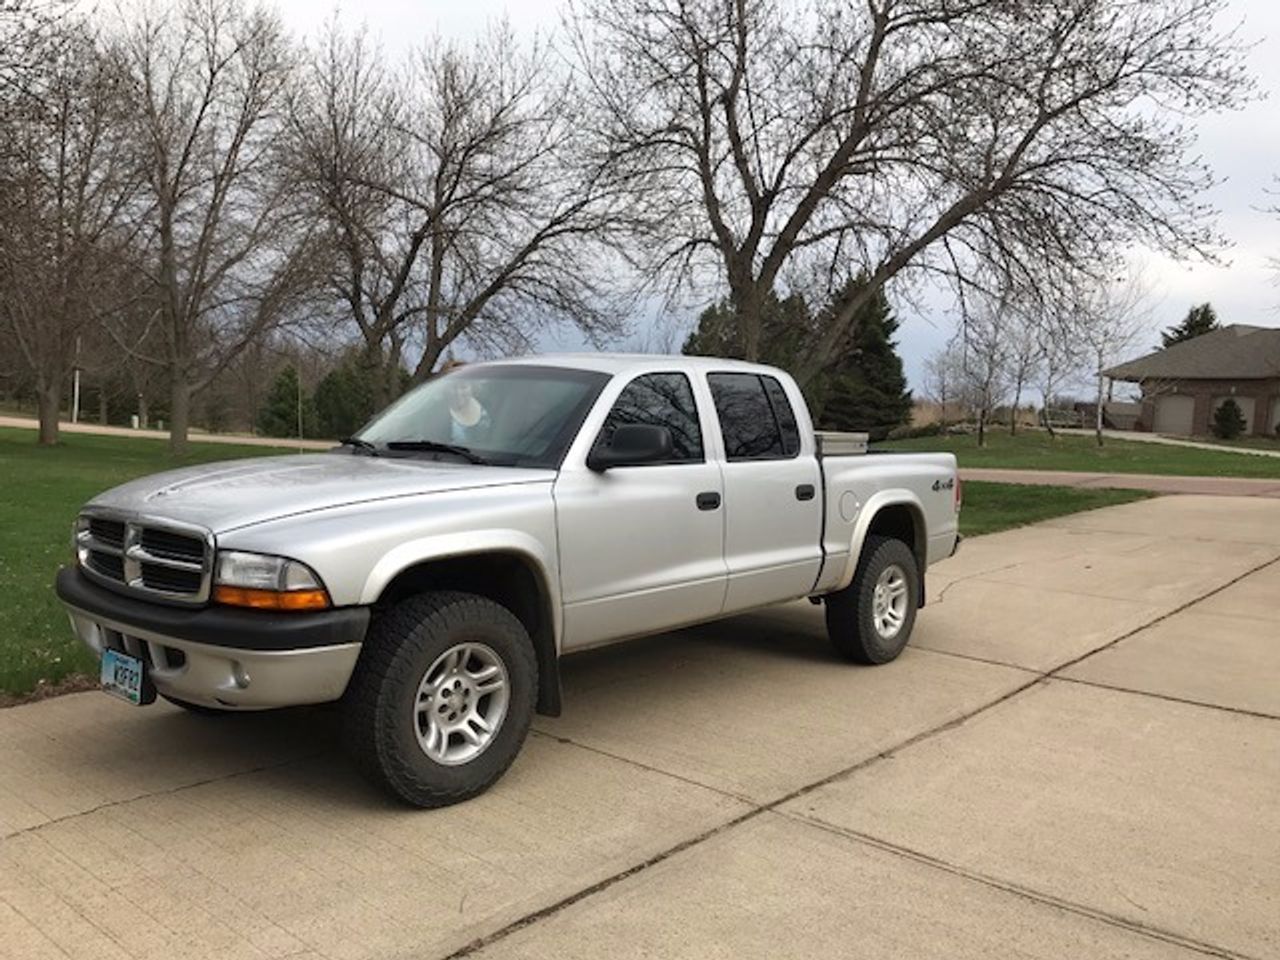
{"type": "Point", "coordinates": [26, 423]}
{"type": "Point", "coordinates": [1213, 486]}
{"type": "Point", "coordinates": [1077, 757]}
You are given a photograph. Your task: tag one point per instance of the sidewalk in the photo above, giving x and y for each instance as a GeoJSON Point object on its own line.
{"type": "Point", "coordinates": [1215, 486]}
{"type": "Point", "coordinates": [26, 423]}
{"type": "Point", "coordinates": [1139, 437]}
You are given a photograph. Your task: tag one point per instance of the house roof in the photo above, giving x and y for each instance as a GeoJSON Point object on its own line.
{"type": "Point", "coordinates": [1237, 352]}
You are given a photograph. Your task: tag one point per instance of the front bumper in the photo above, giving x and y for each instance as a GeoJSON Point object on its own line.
{"type": "Point", "coordinates": [221, 657]}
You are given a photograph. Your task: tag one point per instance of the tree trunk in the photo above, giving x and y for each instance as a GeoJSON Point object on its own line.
{"type": "Point", "coordinates": [746, 308]}
{"type": "Point", "coordinates": [982, 427]}
{"type": "Point", "coordinates": [142, 411]}
{"type": "Point", "coordinates": [1013, 415]}
{"type": "Point", "coordinates": [102, 406]}
{"type": "Point", "coordinates": [375, 369]}
{"type": "Point", "coordinates": [179, 415]}
{"type": "Point", "coordinates": [1097, 413]}
{"type": "Point", "coordinates": [48, 401]}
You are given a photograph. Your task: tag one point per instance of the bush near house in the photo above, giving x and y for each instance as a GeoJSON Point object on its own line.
{"type": "Point", "coordinates": [1228, 420]}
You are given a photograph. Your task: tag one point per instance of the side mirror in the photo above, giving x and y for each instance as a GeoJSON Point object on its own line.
{"type": "Point", "coordinates": [632, 444]}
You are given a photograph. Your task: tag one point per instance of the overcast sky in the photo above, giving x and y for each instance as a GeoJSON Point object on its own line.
{"type": "Point", "coordinates": [1243, 149]}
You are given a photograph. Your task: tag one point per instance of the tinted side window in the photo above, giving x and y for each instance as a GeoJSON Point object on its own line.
{"type": "Point", "coordinates": [785, 415]}
{"type": "Point", "coordinates": [662, 400]}
{"type": "Point", "coordinates": [746, 417]}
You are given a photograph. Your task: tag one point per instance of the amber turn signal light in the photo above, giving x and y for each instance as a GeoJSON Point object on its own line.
{"type": "Point", "coordinates": [290, 600]}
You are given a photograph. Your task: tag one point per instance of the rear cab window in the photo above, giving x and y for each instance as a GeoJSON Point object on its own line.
{"type": "Point", "coordinates": [756, 418]}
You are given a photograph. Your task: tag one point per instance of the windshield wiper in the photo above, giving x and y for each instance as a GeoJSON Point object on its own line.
{"type": "Point", "coordinates": [364, 446]}
{"type": "Point", "coordinates": [430, 446]}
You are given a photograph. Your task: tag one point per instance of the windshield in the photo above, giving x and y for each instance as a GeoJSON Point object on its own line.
{"type": "Point", "coordinates": [513, 415]}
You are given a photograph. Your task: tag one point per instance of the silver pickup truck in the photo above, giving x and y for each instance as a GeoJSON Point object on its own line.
{"type": "Point", "coordinates": [430, 572]}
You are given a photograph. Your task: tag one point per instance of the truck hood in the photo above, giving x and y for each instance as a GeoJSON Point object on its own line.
{"type": "Point", "coordinates": [237, 493]}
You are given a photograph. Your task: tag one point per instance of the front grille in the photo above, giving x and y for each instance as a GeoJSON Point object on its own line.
{"type": "Point", "coordinates": [159, 559]}
{"type": "Point", "coordinates": [109, 533]}
{"type": "Point", "coordinates": [173, 546]}
{"type": "Point", "coordinates": [155, 576]}
{"type": "Point", "coordinates": [108, 564]}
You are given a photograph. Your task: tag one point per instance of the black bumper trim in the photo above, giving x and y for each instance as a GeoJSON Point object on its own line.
{"type": "Point", "coordinates": [216, 626]}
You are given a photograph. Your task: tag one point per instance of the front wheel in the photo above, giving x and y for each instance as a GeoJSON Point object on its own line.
{"type": "Point", "coordinates": [442, 697]}
{"type": "Point", "coordinates": [870, 620]}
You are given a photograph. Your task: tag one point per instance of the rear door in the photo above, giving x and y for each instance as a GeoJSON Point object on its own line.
{"type": "Point", "coordinates": [641, 547]}
{"type": "Point", "coordinates": [772, 491]}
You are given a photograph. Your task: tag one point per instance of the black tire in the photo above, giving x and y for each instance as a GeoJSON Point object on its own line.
{"type": "Point", "coordinates": [381, 701]}
{"type": "Point", "coordinates": [851, 612]}
{"type": "Point", "coordinates": [199, 709]}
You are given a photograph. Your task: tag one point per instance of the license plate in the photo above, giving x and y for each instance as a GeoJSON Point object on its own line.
{"type": "Point", "coordinates": [122, 676]}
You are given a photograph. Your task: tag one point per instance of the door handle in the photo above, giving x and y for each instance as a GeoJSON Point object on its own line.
{"type": "Point", "coordinates": [805, 491]}
{"type": "Point", "coordinates": [708, 501]}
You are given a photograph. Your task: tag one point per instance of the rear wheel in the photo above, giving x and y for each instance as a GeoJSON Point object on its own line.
{"type": "Point", "coordinates": [870, 621]}
{"type": "Point", "coordinates": [442, 698]}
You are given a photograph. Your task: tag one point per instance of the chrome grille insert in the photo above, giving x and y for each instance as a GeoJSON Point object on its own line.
{"type": "Point", "coordinates": [159, 559]}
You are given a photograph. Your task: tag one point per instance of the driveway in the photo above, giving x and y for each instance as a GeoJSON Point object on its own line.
{"type": "Point", "coordinates": [1078, 756]}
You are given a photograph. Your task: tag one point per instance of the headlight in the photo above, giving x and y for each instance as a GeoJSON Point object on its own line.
{"type": "Point", "coordinates": [267, 583]}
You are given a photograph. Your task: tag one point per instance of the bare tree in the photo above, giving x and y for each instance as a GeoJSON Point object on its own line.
{"type": "Point", "coordinates": [455, 198]}
{"type": "Point", "coordinates": [1059, 360]}
{"type": "Point", "coordinates": [902, 137]}
{"type": "Point", "coordinates": [65, 180]}
{"type": "Point", "coordinates": [226, 250]}
{"type": "Point", "coordinates": [1023, 351]}
{"type": "Point", "coordinates": [944, 373]}
{"type": "Point", "coordinates": [1107, 318]}
{"type": "Point", "coordinates": [985, 334]}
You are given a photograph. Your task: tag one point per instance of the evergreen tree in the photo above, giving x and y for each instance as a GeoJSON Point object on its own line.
{"type": "Point", "coordinates": [279, 414]}
{"type": "Point", "coordinates": [786, 325]}
{"type": "Point", "coordinates": [1199, 320]}
{"type": "Point", "coordinates": [1228, 420]}
{"type": "Point", "coordinates": [867, 389]}
{"type": "Point", "coordinates": [344, 398]}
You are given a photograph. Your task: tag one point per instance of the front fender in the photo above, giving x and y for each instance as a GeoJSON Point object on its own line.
{"type": "Point", "coordinates": [469, 543]}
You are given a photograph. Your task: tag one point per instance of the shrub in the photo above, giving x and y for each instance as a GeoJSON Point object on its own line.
{"type": "Point", "coordinates": [911, 432]}
{"type": "Point", "coordinates": [1228, 420]}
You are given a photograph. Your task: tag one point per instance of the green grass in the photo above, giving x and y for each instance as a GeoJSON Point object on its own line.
{"type": "Point", "coordinates": [990, 507]}
{"type": "Point", "coordinates": [1036, 450]}
{"type": "Point", "coordinates": [43, 488]}
{"type": "Point", "coordinates": [40, 491]}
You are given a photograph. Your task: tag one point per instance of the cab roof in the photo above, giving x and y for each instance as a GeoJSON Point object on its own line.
{"type": "Point", "coordinates": [633, 363]}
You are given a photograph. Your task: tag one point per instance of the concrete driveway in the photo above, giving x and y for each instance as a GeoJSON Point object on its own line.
{"type": "Point", "coordinates": [1079, 756]}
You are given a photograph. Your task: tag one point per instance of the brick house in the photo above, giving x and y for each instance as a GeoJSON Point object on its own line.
{"type": "Point", "coordinates": [1183, 385]}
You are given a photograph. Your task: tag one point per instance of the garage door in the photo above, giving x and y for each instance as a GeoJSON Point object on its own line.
{"type": "Point", "coordinates": [1245, 404]}
{"type": "Point", "coordinates": [1174, 414]}
{"type": "Point", "coordinates": [1275, 415]}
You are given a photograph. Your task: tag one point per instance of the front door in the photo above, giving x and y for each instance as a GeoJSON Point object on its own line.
{"type": "Point", "coordinates": [642, 547]}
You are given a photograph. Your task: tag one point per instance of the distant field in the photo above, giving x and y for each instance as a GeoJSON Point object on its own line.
{"type": "Point", "coordinates": [1036, 450]}
{"type": "Point", "coordinates": [40, 491]}
{"type": "Point", "coordinates": [43, 488]}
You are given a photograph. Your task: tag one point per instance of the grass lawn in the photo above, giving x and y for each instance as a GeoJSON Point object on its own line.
{"type": "Point", "coordinates": [41, 491]}
{"type": "Point", "coordinates": [989, 507]}
{"type": "Point", "coordinates": [43, 488]}
{"type": "Point", "coordinates": [1036, 450]}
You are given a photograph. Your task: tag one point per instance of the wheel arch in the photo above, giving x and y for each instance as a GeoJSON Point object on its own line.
{"type": "Point", "coordinates": [509, 574]}
{"type": "Point", "coordinates": [891, 513]}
